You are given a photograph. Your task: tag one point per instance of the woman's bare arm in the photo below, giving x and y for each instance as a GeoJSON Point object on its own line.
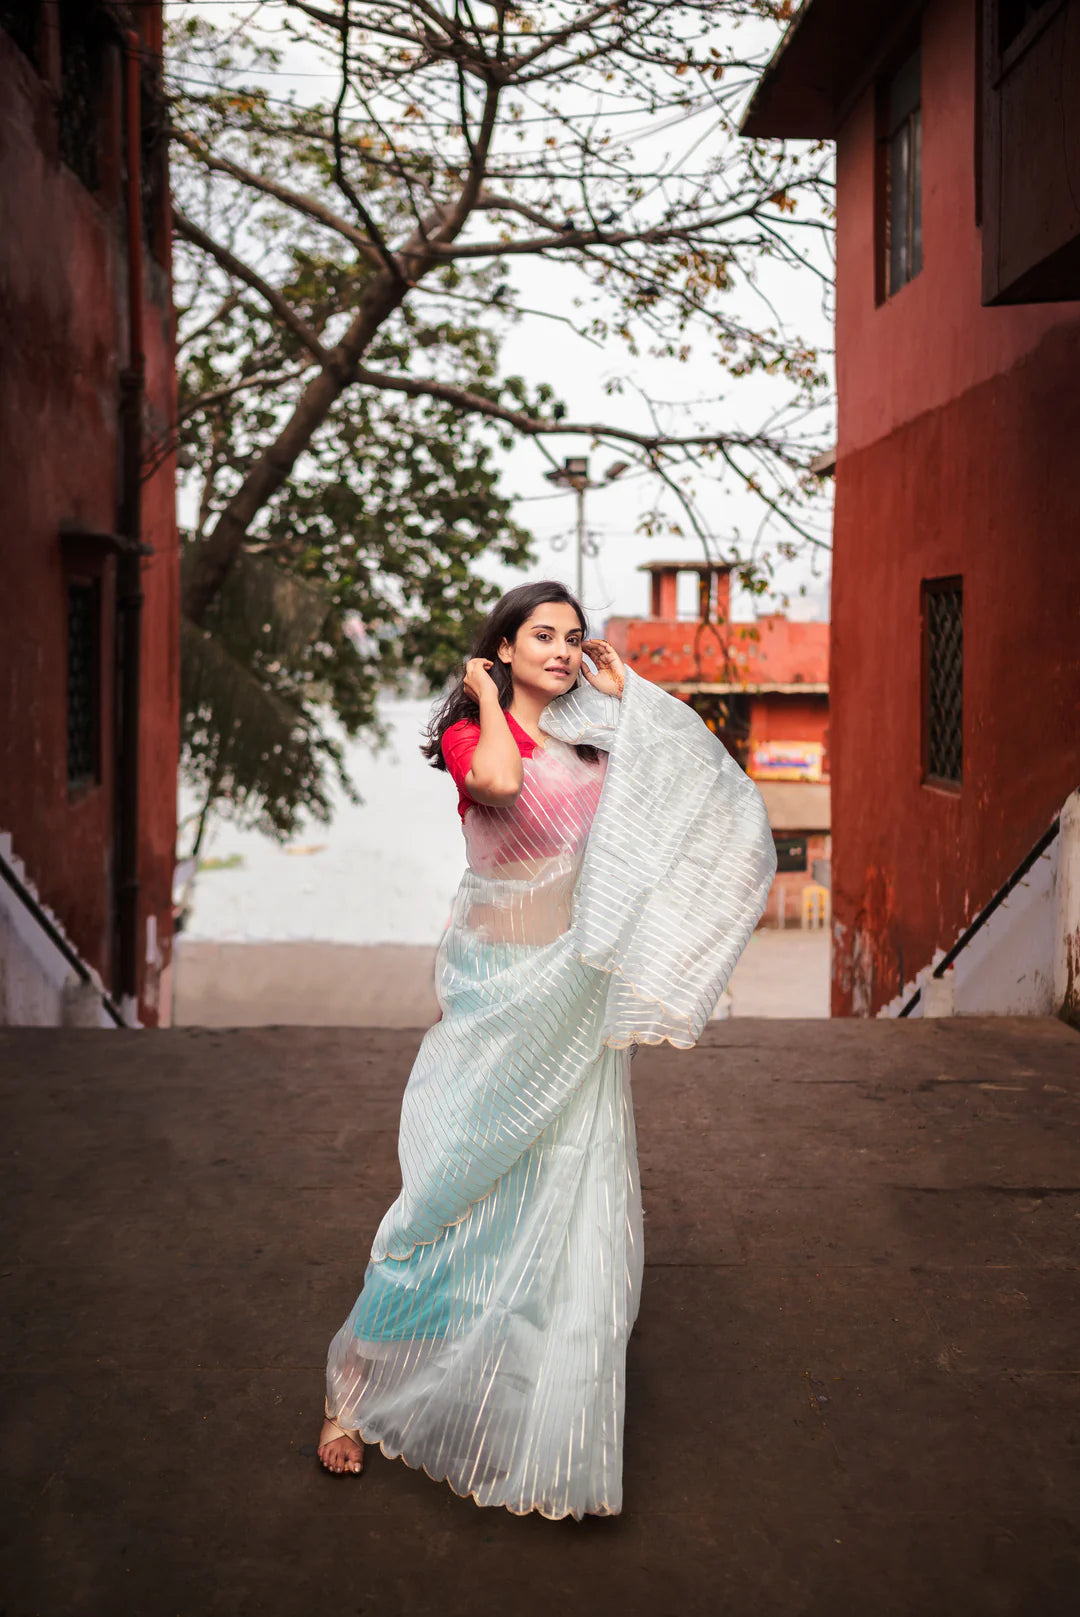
{"type": "Point", "coordinates": [495, 776]}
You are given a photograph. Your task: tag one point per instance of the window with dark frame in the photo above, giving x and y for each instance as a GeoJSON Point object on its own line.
{"type": "Point", "coordinates": [83, 681]}
{"type": "Point", "coordinates": [791, 853]}
{"type": "Point", "coordinates": [85, 39]}
{"type": "Point", "coordinates": [943, 680]}
{"type": "Point", "coordinates": [901, 122]}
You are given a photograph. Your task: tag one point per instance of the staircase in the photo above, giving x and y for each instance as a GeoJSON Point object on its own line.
{"type": "Point", "coordinates": [44, 980]}
{"type": "Point", "coordinates": [1020, 956]}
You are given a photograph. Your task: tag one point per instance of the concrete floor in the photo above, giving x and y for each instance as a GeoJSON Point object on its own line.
{"type": "Point", "coordinates": [854, 1389]}
{"type": "Point", "coordinates": [782, 973]}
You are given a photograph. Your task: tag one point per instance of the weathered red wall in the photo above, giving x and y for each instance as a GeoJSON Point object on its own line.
{"type": "Point", "coordinates": [63, 324]}
{"type": "Point", "coordinates": [772, 650]}
{"type": "Point", "coordinates": [790, 718]}
{"type": "Point", "coordinates": [957, 452]}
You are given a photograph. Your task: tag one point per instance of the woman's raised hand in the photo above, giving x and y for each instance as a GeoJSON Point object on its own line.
{"type": "Point", "coordinates": [610, 676]}
{"type": "Point", "coordinates": [477, 679]}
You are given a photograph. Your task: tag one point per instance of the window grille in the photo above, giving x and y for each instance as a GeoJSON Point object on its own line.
{"type": "Point", "coordinates": [21, 19]}
{"type": "Point", "coordinates": [943, 630]}
{"type": "Point", "coordinates": [84, 660]}
{"type": "Point", "coordinates": [903, 174]}
{"type": "Point", "coordinates": [791, 853]}
{"type": "Point", "coordinates": [84, 42]}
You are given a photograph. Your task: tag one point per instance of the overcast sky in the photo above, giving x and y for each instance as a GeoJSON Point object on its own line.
{"type": "Point", "coordinates": [547, 349]}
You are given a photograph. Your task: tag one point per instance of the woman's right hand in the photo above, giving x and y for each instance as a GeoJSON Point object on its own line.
{"type": "Point", "coordinates": [496, 772]}
{"type": "Point", "coordinates": [477, 679]}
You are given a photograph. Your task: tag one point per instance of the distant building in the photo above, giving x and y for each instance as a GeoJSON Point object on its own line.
{"type": "Point", "coordinates": [89, 579]}
{"type": "Point", "coordinates": [762, 686]}
{"type": "Point", "coordinates": [956, 567]}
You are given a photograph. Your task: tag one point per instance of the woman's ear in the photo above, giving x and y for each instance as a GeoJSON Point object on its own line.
{"type": "Point", "coordinates": [505, 652]}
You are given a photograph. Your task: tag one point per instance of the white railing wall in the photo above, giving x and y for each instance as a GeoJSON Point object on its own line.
{"type": "Point", "coordinates": [1025, 959]}
{"type": "Point", "coordinates": [40, 983]}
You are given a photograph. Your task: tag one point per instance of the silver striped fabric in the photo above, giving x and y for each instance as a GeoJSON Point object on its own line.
{"type": "Point", "coordinates": [678, 865]}
{"type": "Point", "coordinates": [606, 907]}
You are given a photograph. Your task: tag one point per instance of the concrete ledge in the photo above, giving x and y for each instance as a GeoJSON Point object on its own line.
{"type": "Point", "coordinates": [303, 984]}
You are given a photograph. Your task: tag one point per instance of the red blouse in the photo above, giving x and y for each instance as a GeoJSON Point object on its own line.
{"type": "Point", "coordinates": [459, 744]}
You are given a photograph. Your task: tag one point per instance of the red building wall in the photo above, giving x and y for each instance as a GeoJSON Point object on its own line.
{"type": "Point", "coordinates": [64, 336]}
{"type": "Point", "coordinates": [772, 650]}
{"type": "Point", "coordinates": [957, 452]}
{"type": "Point", "coordinates": [682, 654]}
{"type": "Point", "coordinates": [791, 718]}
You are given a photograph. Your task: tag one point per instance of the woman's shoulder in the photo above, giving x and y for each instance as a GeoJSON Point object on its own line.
{"type": "Point", "coordinates": [458, 739]}
{"type": "Point", "coordinates": [460, 730]}
{"type": "Point", "coordinates": [465, 733]}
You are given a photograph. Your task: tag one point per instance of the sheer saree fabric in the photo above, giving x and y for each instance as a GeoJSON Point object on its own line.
{"type": "Point", "coordinates": [604, 908]}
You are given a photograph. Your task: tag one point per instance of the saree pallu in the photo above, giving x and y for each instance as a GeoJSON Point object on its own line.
{"type": "Point", "coordinates": [605, 908]}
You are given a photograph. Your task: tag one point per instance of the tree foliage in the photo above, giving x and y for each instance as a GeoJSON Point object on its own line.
{"type": "Point", "coordinates": [346, 276]}
{"type": "Point", "coordinates": [358, 572]}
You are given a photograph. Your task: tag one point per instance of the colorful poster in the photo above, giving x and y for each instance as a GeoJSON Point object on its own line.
{"type": "Point", "coordinates": [787, 760]}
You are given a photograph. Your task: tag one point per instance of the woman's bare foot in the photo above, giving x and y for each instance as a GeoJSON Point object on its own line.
{"type": "Point", "coordinates": [339, 1452]}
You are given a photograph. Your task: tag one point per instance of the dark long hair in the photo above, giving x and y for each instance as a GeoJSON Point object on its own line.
{"type": "Point", "coordinates": [502, 623]}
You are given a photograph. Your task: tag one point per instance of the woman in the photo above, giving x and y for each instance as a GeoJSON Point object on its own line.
{"type": "Point", "coordinates": [618, 860]}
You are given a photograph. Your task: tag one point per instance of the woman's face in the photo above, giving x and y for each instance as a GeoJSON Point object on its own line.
{"type": "Point", "coordinates": [545, 655]}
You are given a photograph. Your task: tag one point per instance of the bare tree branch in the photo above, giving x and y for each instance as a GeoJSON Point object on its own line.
{"type": "Point", "coordinates": [370, 227]}
{"type": "Point", "coordinates": [532, 426]}
{"type": "Point", "coordinates": [223, 309]}
{"type": "Point", "coordinates": [774, 505]}
{"type": "Point", "coordinates": [243, 272]}
{"type": "Point", "coordinates": [311, 206]}
{"type": "Point", "coordinates": [563, 106]}
{"type": "Point", "coordinates": [217, 395]}
{"type": "Point", "coordinates": [572, 238]}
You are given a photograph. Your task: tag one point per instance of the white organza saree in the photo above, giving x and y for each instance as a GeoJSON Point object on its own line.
{"type": "Point", "coordinates": [605, 908]}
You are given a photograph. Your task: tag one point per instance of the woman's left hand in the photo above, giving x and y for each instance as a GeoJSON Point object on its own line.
{"type": "Point", "coordinates": [610, 675]}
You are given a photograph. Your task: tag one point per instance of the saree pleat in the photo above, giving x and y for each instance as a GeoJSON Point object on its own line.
{"type": "Point", "coordinates": [604, 908]}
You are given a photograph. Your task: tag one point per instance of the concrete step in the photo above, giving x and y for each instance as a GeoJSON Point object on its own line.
{"type": "Point", "coordinates": [853, 1388]}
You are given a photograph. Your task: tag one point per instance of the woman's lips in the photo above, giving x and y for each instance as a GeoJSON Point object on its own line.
{"type": "Point", "coordinates": [563, 672]}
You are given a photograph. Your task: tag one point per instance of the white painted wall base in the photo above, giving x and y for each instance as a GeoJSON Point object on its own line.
{"type": "Point", "coordinates": [1067, 925]}
{"type": "Point", "coordinates": [38, 987]}
{"type": "Point", "coordinates": [939, 996]}
{"type": "Point", "coordinates": [1025, 961]}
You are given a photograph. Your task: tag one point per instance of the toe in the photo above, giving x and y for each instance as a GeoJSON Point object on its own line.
{"type": "Point", "coordinates": [340, 1455]}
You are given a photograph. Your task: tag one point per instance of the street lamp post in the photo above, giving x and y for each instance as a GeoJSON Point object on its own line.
{"type": "Point", "coordinates": [574, 473]}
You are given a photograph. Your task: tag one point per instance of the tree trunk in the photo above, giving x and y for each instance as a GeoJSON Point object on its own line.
{"type": "Point", "coordinates": [213, 557]}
